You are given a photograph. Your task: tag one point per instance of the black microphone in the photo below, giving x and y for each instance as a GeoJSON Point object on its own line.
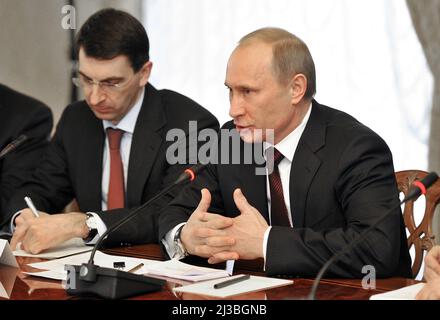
{"type": "Point", "coordinates": [13, 145]}
{"type": "Point", "coordinates": [115, 284]}
{"type": "Point", "coordinates": [417, 189]}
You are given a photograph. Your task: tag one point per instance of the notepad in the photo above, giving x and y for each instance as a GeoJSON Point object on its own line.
{"type": "Point", "coordinates": [405, 293]}
{"type": "Point", "coordinates": [254, 283]}
{"type": "Point", "coordinates": [68, 248]}
{"type": "Point", "coordinates": [179, 270]}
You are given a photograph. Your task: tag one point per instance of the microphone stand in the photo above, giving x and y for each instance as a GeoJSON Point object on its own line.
{"type": "Point", "coordinates": [115, 284]}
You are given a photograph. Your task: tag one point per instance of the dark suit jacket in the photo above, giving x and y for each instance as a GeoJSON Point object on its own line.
{"type": "Point", "coordinates": [73, 166]}
{"type": "Point", "coordinates": [20, 114]}
{"type": "Point", "coordinates": [342, 179]}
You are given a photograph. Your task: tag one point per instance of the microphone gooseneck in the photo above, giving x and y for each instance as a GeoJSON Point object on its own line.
{"type": "Point", "coordinates": [13, 145]}
{"type": "Point", "coordinates": [189, 174]}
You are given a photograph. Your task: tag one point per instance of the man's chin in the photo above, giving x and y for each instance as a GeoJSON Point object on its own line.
{"type": "Point", "coordinates": [104, 115]}
{"type": "Point", "coordinates": [249, 136]}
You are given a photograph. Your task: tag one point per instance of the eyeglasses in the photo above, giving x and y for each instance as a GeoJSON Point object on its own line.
{"type": "Point", "coordinates": [106, 86]}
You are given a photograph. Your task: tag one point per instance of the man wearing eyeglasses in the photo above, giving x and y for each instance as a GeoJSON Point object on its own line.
{"type": "Point", "coordinates": [109, 151]}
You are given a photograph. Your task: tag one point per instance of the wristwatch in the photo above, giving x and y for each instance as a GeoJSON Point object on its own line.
{"type": "Point", "coordinates": [180, 251]}
{"type": "Point", "coordinates": [91, 225]}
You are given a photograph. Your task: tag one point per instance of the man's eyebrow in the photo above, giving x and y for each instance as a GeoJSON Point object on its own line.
{"type": "Point", "coordinates": [103, 80]}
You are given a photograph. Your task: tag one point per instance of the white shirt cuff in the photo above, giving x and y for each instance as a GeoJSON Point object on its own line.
{"type": "Point", "coordinates": [168, 241]}
{"type": "Point", "coordinates": [101, 228]}
{"type": "Point", "coordinates": [12, 224]}
{"type": "Point", "coordinates": [265, 239]}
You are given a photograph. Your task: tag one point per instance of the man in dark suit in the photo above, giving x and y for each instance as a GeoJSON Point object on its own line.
{"type": "Point", "coordinates": [330, 177]}
{"type": "Point", "coordinates": [108, 152]}
{"type": "Point", "coordinates": [20, 114]}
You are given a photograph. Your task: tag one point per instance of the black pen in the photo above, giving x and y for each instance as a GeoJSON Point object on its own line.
{"type": "Point", "coordinates": [231, 281]}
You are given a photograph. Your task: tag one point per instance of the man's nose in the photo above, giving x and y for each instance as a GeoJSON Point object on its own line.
{"type": "Point", "coordinates": [236, 108]}
{"type": "Point", "coordinates": [96, 95]}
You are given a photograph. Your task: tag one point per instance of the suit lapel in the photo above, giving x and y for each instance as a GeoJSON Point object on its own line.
{"type": "Point", "coordinates": [254, 188]}
{"type": "Point", "coordinates": [305, 164]}
{"type": "Point", "coordinates": [145, 144]}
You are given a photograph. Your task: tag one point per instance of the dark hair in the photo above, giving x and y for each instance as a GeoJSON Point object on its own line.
{"type": "Point", "coordinates": [290, 55]}
{"type": "Point", "coordinates": [109, 33]}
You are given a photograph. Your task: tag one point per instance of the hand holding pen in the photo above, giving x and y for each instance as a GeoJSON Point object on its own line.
{"type": "Point", "coordinates": [31, 206]}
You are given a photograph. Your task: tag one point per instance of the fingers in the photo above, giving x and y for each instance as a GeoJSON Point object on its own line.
{"type": "Point", "coordinates": [241, 201]}
{"type": "Point", "coordinates": [208, 251]}
{"type": "Point", "coordinates": [31, 247]}
{"type": "Point", "coordinates": [18, 235]}
{"type": "Point", "coordinates": [422, 295]}
{"type": "Point", "coordinates": [16, 238]}
{"type": "Point", "coordinates": [432, 266]}
{"type": "Point", "coordinates": [205, 202]}
{"type": "Point", "coordinates": [223, 256]}
{"type": "Point", "coordinates": [215, 221]}
{"type": "Point", "coordinates": [22, 222]}
{"type": "Point", "coordinates": [220, 241]}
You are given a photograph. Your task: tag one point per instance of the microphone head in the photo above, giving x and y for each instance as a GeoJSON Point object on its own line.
{"type": "Point", "coordinates": [190, 173]}
{"type": "Point", "coordinates": [419, 187]}
{"type": "Point", "coordinates": [197, 168]}
{"type": "Point", "coordinates": [429, 180]}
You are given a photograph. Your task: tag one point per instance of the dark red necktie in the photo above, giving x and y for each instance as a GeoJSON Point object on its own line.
{"type": "Point", "coordinates": [116, 190]}
{"type": "Point", "coordinates": [278, 209]}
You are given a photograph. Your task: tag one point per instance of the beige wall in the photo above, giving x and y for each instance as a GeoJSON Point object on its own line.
{"type": "Point", "coordinates": [34, 48]}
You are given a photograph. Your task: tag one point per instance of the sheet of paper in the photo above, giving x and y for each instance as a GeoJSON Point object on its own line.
{"type": "Point", "coordinates": [405, 293]}
{"type": "Point", "coordinates": [56, 267]}
{"type": "Point", "coordinates": [68, 248]}
{"type": "Point", "coordinates": [254, 283]}
{"type": "Point", "coordinates": [49, 274]}
{"type": "Point", "coordinates": [6, 256]}
{"type": "Point", "coordinates": [183, 271]}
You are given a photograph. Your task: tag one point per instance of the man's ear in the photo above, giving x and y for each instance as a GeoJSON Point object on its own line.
{"type": "Point", "coordinates": [298, 88]}
{"type": "Point", "coordinates": [145, 73]}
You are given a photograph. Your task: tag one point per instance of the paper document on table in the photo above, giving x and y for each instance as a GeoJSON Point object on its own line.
{"type": "Point", "coordinates": [68, 248]}
{"type": "Point", "coordinates": [49, 274]}
{"type": "Point", "coordinates": [405, 293]}
{"type": "Point", "coordinates": [254, 283]}
{"type": "Point", "coordinates": [56, 267]}
{"type": "Point", "coordinates": [183, 271]}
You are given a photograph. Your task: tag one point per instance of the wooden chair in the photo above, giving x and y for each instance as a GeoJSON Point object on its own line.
{"type": "Point", "coordinates": [420, 236]}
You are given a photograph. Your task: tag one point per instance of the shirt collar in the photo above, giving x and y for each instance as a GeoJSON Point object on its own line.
{"type": "Point", "coordinates": [288, 145]}
{"type": "Point", "coordinates": [128, 122]}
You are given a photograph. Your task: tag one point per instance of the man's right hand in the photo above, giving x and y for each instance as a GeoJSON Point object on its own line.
{"type": "Point", "coordinates": [22, 224]}
{"type": "Point", "coordinates": [203, 234]}
{"type": "Point", "coordinates": [47, 231]}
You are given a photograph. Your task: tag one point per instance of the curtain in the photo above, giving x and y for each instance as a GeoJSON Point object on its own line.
{"type": "Point", "coordinates": [368, 59]}
{"type": "Point", "coordinates": [426, 19]}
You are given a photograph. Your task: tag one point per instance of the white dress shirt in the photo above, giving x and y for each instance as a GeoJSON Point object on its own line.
{"type": "Point", "coordinates": [127, 124]}
{"type": "Point", "coordinates": [287, 147]}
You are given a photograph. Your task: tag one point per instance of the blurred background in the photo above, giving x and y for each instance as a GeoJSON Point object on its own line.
{"type": "Point", "coordinates": [378, 60]}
